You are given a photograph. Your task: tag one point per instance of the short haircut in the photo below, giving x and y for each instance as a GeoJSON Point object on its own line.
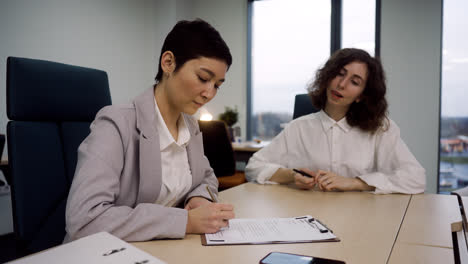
{"type": "Point", "coordinates": [191, 40]}
{"type": "Point", "coordinates": [371, 111]}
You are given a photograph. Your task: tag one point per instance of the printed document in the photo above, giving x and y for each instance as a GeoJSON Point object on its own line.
{"type": "Point", "coordinates": [271, 230]}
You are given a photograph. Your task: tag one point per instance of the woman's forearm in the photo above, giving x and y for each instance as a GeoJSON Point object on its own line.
{"type": "Point", "coordinates": [283, 176]}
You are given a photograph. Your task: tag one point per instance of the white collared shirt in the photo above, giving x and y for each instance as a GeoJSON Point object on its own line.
{"type": "Point", "coordinates": [176, 174]}
{"type": "Point", "coordinates": [318, 142]}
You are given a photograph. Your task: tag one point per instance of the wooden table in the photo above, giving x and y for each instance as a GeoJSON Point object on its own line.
{"type": "Point", "coordinates": [425, 235]}
{"type": "Point", "coordinates": [367, 225]}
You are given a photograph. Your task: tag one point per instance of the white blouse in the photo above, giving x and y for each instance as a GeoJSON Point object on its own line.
{"type": "Point", "coordinates": [176, 174]}
{"type": "Point", "coordinates": [318, 142]}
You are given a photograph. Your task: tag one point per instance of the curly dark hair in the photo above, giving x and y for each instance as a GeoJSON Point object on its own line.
{"type": "Point", "coordinates": [370, 113]}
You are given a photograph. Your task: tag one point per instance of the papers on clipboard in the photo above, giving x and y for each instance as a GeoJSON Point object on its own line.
{"type": "Point", "coordinates": [302, 229]}
{"type": "Point", "coordinates": [98, 248]}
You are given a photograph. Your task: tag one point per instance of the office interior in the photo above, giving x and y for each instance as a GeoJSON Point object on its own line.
{"type": "Point", "coordinates": [124, 39]}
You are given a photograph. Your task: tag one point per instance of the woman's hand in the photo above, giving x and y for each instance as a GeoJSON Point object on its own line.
{"type": "Point", "coordinates": [329, 181]}
{"type": "Point", "coordinates": [195, 202]}
{"type": "Point", "coordinates": [304, 182]}
{"type": "Point", "coordinates": [209, 218]}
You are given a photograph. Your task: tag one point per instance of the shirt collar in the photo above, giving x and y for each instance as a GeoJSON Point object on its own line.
{"type": "Point", "coordinates": [328, 122]}
{"type": "Point", "coordinates": [165, 137]}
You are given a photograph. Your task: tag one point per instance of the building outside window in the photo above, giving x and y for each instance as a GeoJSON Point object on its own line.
{"type": "Point", "coordinates": [453, 169]}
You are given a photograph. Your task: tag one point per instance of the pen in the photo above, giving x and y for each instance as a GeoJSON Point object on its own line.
{"type": "Point", "coordinates": [303, 173]}
{"type": "Point", "coordinates": [213, 198]}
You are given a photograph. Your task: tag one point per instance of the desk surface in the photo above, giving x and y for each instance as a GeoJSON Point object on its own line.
{"type": "Point", "coordinates": [412, 254]}
{"type": "Point", "coordinates": [428, 220]}
{"type": "Point", "coordinates": [367, 225]}
{"type": "Point", "coordinates": [425, 235]}
{"type": "Point", "coordinates": [249, 146]}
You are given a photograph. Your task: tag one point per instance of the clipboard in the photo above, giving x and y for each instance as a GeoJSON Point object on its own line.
{"type": "Point", "coordinates": [98, 248]}
{"type": "Point", "coordinates": [301, 229]}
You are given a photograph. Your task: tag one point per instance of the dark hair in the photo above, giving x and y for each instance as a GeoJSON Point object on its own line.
{"type": "Point", "coordinates": [193, 39]}
{"type": "Point", "coordinates": [371, 111]}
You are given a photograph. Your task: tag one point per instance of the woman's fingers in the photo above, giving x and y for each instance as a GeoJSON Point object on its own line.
{"type": "Point", "coordinates": [323, 179]}
{"type": "Point", "coordinates": [225, 215]}
{"type": "Point", "coordinates": [327, 182]}
{"type": "Point", "coordinates": [303, 182]}
{"type": "Point", "coordinates": [224, 207]}
{"type": "Point", "coordinates": [209, 218]}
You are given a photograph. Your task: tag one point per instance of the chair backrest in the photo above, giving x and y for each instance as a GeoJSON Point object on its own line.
{"type": "Point", "coordinates": [3, 167]}
{"type": "Point", "coordinates": [2, 144]}
{"type": "Point", "coordinates": [217, 147]}
{"type": "Point", "coordinates": [51, 106]}
{"type": "Point", "coordinates": [303, 106]}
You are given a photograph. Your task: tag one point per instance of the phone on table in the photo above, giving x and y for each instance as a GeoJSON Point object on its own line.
{"type": "Point", "coordinates": [283, 258]}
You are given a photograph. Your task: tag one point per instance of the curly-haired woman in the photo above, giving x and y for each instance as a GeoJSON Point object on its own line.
{"type": "Point", "coordinates": [350, 144]}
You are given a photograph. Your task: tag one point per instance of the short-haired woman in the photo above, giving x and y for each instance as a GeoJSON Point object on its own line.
{"type": "Point", "coordinates": [141, 173]}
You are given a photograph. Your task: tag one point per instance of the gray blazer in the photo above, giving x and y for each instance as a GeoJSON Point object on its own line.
{"type": "Point", "coordinates": [118, 176]}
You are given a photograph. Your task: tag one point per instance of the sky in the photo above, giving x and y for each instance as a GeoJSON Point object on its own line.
{"type": "Point", "coordinates": [455, 59]}
{"type": "Point", "coordinates": [299, 31]}
{"type": "Point", "coordinates": [291, 40]}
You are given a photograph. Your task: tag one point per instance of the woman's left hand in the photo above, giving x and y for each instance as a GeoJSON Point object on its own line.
{"type": "Point", "coordinates": [330, 181]}
{"type": "Point", "coordinates": [195, 202]}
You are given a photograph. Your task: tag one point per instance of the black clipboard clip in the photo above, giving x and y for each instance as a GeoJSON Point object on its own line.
{"type": "Point", "coordinates": [321, 227]}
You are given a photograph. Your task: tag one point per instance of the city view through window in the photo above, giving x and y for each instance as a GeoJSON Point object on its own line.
{"type": "Point", "coordinates": [453, 172]}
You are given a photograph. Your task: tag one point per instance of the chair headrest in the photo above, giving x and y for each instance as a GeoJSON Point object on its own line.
{"type": "Point", "coordinates": [303, 106]}
{"type": "Point", "coordinates": [39, 90]}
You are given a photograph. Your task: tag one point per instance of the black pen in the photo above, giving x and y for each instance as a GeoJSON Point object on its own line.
{"type": "Point", "coordinates": [303, 173]}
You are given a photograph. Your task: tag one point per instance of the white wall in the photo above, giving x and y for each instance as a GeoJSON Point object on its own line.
{"type": "Point", "coordinates": [411, 54]}
{"type": "Point", "coordinates": [117, 36]}
{"type": "Point", "coordinates": [229, 17]}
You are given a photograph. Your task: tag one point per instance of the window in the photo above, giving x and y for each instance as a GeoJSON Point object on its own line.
{"type": "Point", "coordinates": [290, 40]}
{"type": "Point", "coordinates": [453, 167]}
{"type": "Point", "coordinates": [358, 30]}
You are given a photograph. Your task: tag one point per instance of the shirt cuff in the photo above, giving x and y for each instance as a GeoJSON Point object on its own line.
{"type": "Point", "coordinates": [265, 175]}
{"type": "Point", "coordinates": [378, 180]}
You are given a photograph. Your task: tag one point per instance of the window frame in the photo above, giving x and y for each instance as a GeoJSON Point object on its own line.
{"type": "Point", "coordinates": [335, 44]}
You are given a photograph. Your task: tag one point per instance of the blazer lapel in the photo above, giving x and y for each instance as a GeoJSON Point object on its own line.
{"type": "Point", "coordinates": [195, 151]}
{"type": "Point", "coordinates": [150, 155]}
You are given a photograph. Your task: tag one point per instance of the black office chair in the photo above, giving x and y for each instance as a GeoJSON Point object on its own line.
{"type": "Point", "coordinates": [303, 106]}
{"type": "Point", "coordinates": [218, 149]}
{"type": "Point", "coordinates": [50, 106]}
{"type": "Point", "coordinates": [3, 168]}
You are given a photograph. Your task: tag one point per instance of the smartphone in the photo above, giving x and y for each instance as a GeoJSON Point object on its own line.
{"type": "Point", "coordinates": [283, 258]}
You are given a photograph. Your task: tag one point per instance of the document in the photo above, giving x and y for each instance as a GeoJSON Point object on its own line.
{"type": "Point", "coordinates": [98, 248]}
{"type": "Point", "coordinates": [301, 229]}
